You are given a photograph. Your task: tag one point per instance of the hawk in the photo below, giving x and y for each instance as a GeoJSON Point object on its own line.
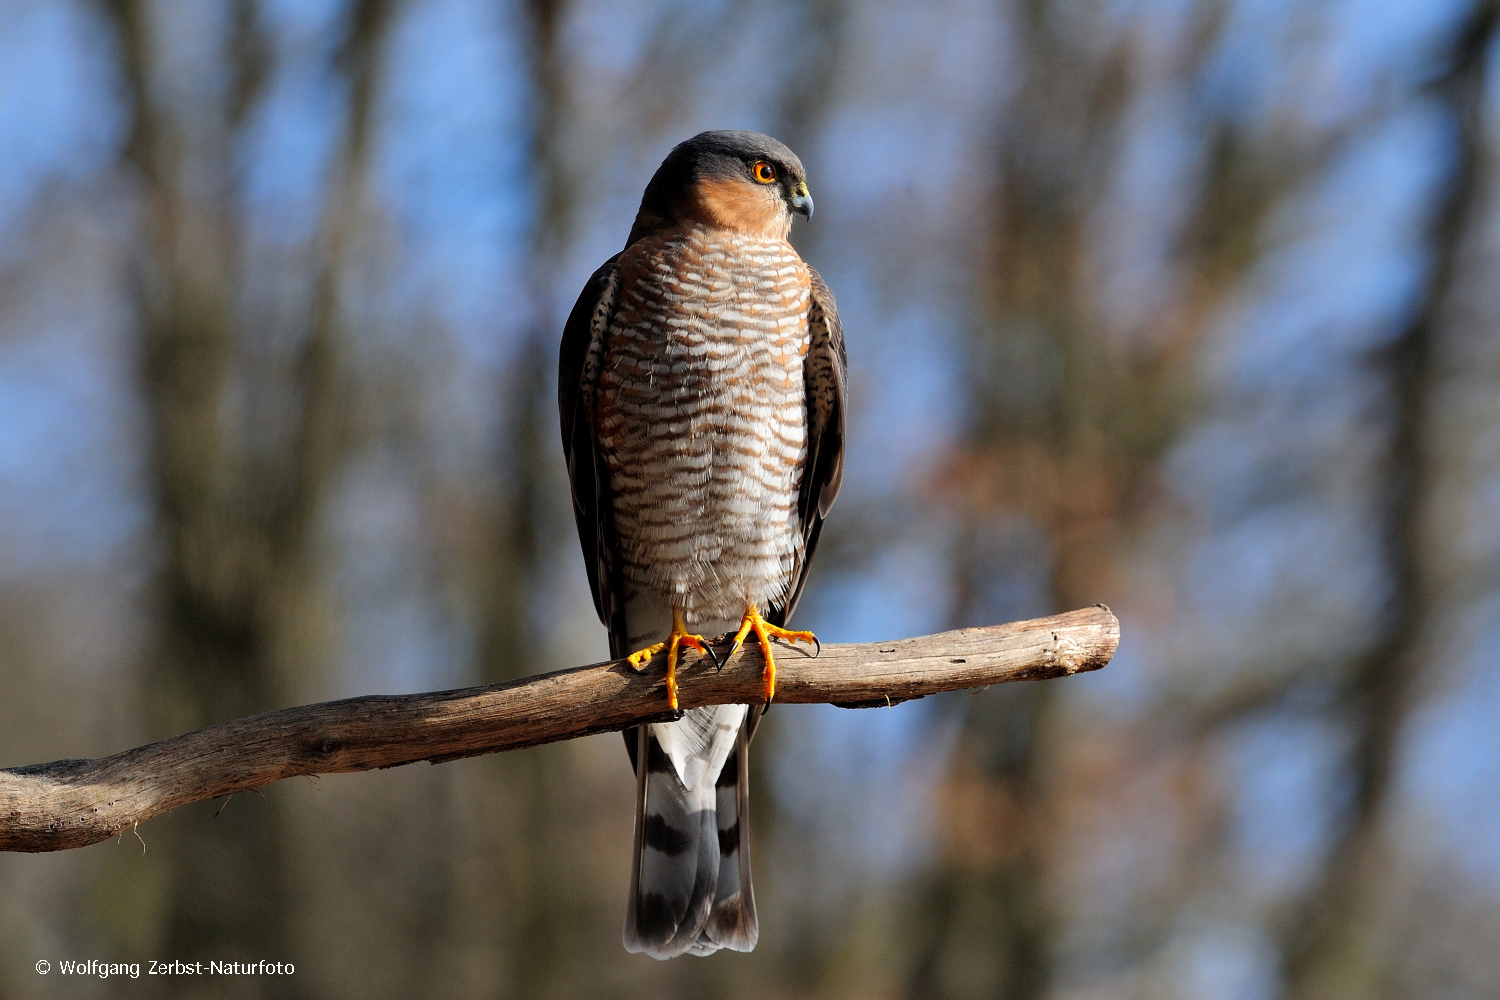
{"type": "Point", "coordinates": [701, 388]}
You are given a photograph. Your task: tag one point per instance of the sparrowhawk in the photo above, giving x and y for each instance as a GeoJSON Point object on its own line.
{"type": "Point", "coordinates": [701, 388]}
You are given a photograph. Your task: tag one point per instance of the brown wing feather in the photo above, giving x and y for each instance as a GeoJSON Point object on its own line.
{"type": "Point", "coordinates": [823, 471]}
{"type": "Point", "coordinates": [577, 379]}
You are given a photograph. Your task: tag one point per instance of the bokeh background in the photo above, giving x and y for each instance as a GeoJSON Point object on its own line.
{"type": "Point", "coordinates": [1185, 306]}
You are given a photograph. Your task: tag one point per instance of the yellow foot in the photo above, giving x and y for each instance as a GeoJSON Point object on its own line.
{"type": "Point", "coordinates": [764, 630]}
{"type": "Point", "coordinates": [678, 638]}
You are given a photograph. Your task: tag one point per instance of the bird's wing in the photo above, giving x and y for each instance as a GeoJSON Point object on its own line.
{"type": "Point", "coordinates": [823, 472]}
{"type": "Point", "coordinates": [579, 362]}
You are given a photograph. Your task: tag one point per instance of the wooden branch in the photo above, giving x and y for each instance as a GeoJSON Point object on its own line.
{"type": "Point", "coordinates": [73, 803]}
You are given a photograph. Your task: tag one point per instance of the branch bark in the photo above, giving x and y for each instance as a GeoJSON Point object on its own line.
{"type": "Point", "coordinates": [74, 803]}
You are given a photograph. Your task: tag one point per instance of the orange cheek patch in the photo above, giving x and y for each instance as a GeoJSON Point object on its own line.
{"type": "Point", "coordinates": [742, 206]}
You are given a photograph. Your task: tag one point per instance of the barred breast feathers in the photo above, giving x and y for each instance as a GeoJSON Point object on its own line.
{"type": "Point", "coordinates": [702, 415]}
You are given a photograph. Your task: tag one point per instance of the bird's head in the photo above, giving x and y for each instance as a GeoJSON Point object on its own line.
{"type": "Point", "coordinates": [743, 181]}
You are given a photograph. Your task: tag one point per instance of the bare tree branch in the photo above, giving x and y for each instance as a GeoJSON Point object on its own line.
{"type": "Point", "coordinates": [74, 803]}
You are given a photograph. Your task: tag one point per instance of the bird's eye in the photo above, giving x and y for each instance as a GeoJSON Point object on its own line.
{"type": "Point", "coordinates": [764, 172]}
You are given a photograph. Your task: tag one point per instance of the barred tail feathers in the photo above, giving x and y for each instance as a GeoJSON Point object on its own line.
{"type": "Point", "coordinates": [732, 923]}
{"type": "Point", "coordinates": [689, 810]}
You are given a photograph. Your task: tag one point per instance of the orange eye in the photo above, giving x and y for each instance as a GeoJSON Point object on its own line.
{"type": "Point", "coordinates": [764, 172]}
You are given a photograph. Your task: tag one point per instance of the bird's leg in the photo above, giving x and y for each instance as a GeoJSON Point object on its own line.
{"type": "Point", "coordinates": [764, 630]}
{"type": "Point", "coordinates": [679, 637]}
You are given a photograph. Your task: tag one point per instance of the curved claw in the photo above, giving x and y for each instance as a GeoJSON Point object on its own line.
{"type": "Point", "coordinates": [718, 663]}
{"type": "Point", "coordinates": [678, 638]}
{"type": "Point", "coordinates": [792, 644]}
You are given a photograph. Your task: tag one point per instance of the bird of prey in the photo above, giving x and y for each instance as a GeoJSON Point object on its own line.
{"type": "Point", "coordinates": [701, 388]}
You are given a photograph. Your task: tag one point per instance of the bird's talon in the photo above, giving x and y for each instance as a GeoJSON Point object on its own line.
{"type": "Point", "coordinates": [680, 637]}
{"type": "Point", "coordinates": [792, 640]}
{"type": "Point", "coordinates": [764, 633]}
{"type": "Point", "coordinates": [704, 646]}
{"type": "Point", "coordinates": [641, 657]}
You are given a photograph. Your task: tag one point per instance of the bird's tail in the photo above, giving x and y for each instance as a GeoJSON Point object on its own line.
{"type": "Point", "coordinates": [690, 886]}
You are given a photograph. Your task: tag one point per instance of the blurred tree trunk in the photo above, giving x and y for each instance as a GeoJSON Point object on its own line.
{"type": "Point", "coordinates": [1071, 419]}
{"type": "Point", "coordinates": [536, 847]}
{"type": "Point", "coordinates": [210, 659]}
{"type": "Point", "coordinates": [985, 923]}
{"type": "Point", "coordinates": [1324, 951]}
{"type": "Point", "coordinates": [236, 581]}
{"type": "Point", "coordinates": [508, 645]}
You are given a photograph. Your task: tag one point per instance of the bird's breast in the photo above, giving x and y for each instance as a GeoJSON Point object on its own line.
{"type": "Point", "coordinates": [701, 414]}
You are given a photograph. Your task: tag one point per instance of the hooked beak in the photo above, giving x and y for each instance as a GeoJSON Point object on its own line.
{"type": "Point", "coordinates": [802, 202]}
